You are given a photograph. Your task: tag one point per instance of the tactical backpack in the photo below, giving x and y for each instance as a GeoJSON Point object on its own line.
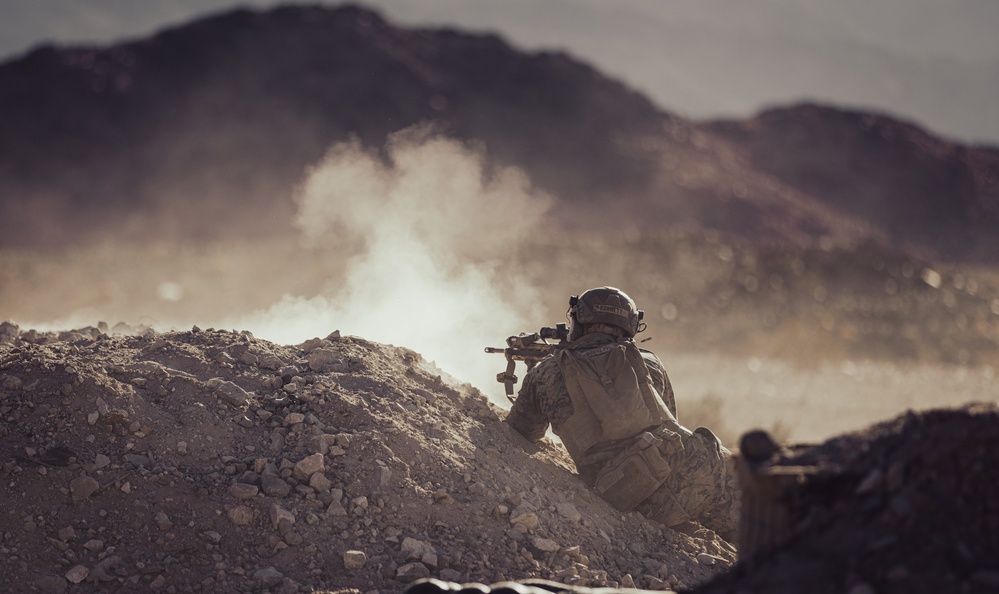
{"type": "Point", "coordinates": [614, 401]}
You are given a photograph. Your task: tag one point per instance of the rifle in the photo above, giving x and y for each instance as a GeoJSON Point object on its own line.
{"type": "Point", "coordinates": [529, 348]}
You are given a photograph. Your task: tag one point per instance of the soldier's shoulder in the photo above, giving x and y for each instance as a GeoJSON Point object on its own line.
{"type": "Point", "coordinates": [651, 357]}
{"type": "Point", "coordinates": [546, 366]}
{"type": "Point", "coordinates": [543, 375]}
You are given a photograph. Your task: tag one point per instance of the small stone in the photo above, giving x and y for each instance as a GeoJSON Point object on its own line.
{"type": "Point", "coordinates": [311, 344]}
{"type": "Point", "coordinates": [449, 575]}
{"type": "Point", "coordinates": [241, 515]}
{"type": "Point", "coordinates": [353, 560]}
{"type": "Point", "coordinates": [323, 359]}
{"type": "Point", "coordinates": [83, 487]}
{"type": "Point", "coordinates": [270, 361]}
{"type": "Point", "coordinates": [545, 545]}
{"type": "Point", "coordinates": [309, 465]}
{"type": "Point", "coordinates": [137, 460]}
{"type": "Point", "coordinates": [268, 577]}
{"type": "Point", "coordinates": [182, 448]}
{"type": "Point", "coordinates": [243, 491]}
{"type": "Point", "coordinates": [163, 521]}
{"type": "Point", "coordinates": [429, 559]}
{"type": "Point", "coordinates": [274, 486]}
{"type": "Point", "coordinates": [706, 559]}
{"type": "Point", "coordinates": [93, 417]}
{"type": "Point", "coordinates": [411, 572]}
{"type": "Point", "coordinates": [320, 483]}
{"type": "Point", "coordinates": [77, 574]}
{"type": "Point", "coordinates": [228, 392]}
{"type": "Point", "coordinates": [93, 545]}
{"type": "Point", "coordinates": [320, 444]}
{"type": "Point", "coordinates": [336, 509]}
{"type": "Point", "coordinates": [279, 514]}
{"type": "Point", "coordinates": [568, 511]}
{"type": "Point", "coordinates": [656, 583]}
{"type": "Point", "coordinates": [528, 520]}
{"type": "Point", "coordinates": [384, 476]}
{"type": "Point", "coordinates": [67, 534]}
{"type": "Point", "coordinates": [293, 419]}
{"type": "Point", "coordinates": [416, 549]}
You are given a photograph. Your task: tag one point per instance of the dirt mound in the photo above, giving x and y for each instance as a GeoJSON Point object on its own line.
{"type": "Point", "coordinates": [908, 505]}
{"type": "Point", "coordinates": [211, 461]}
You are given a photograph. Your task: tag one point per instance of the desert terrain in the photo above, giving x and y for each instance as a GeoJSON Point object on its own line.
{"type": "Point", "coordinates": [249, 266]}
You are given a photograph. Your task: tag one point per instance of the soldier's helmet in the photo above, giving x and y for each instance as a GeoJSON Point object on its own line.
{"type": "Point", "coordinates": [605, 305]}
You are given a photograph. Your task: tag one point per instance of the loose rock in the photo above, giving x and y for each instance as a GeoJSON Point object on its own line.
{"type": "Point", "coordinates": [83, 487]}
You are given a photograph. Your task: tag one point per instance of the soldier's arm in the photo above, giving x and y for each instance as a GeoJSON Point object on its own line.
{"type": "Point", "coordinates": [525, 416]}
{"type": "Point", "coordinates": [657, 373]}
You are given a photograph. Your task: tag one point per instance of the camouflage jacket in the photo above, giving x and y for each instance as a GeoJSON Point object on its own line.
{"type": "Point", "coordinates": [544, 400]}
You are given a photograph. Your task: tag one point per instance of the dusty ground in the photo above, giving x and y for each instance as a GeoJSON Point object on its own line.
{"type": "Point", "coordinates": [211, 461]}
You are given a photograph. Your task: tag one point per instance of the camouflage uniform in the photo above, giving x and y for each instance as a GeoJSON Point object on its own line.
{"type": "Point", "coordinates": [702, 486]}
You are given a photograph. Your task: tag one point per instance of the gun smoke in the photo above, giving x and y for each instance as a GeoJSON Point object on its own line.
{"type": "Point", "coordinates": [429, 221]}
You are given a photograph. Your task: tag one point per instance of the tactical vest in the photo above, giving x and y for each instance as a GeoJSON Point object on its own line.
{"type": "Point", "coordinates": [612, 396]}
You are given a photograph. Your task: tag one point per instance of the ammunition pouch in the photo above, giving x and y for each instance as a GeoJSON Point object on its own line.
{"type": "Point", "coordinates": [634, 475]}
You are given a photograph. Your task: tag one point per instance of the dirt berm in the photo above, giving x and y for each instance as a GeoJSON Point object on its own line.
{"type": "Point", "coordinates": [211, 461]}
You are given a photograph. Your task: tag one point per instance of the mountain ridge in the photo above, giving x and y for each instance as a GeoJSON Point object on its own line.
{"type": "Point", "coordinates": [203, 130]}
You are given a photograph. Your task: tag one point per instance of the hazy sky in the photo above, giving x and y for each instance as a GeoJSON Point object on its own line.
{"type": "Point", "coordinates": [933, 62]}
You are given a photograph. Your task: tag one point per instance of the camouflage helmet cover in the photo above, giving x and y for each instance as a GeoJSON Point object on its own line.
{"type": "Point", "coordinates": [607, 305]}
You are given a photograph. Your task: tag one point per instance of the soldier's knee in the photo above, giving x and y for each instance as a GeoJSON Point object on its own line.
{"type": "Point", "coordinates": [713, 441]}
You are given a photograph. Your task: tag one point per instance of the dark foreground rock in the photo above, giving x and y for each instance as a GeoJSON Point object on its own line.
{"type": "Point", "coordinates": [909, 505]}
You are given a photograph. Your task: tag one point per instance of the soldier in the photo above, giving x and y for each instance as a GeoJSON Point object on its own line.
{"type": "Point", "coordinates": [612, 405]}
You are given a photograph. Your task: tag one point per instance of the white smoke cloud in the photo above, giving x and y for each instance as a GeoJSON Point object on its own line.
{"type": "Point", "coordinates": [433, 221]}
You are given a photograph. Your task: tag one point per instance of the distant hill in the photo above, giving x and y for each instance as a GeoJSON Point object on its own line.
{"type": "Point", "coordinates": [924, 191]}
{"type": "Point", "coordinates": [203, 130]}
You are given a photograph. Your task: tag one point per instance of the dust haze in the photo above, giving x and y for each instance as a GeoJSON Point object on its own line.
{"type": "Point", "coordinates": [427, 244]}
{"type": "Point", "coordinates": [401, 245]}
{"type": "Point", "coordinates": [432, 222]}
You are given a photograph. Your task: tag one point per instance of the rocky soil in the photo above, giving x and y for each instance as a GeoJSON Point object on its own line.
{"type": "Point", "coordinates": [212, 461]}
